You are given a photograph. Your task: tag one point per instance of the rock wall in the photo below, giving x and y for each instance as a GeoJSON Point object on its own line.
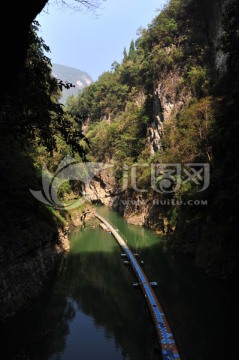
{"type": "Point", "coordinates": [101, 189]}
{"type": "Point", "coordinates": [169, 96]}
{"type": "Point", "coordinates": [167, 102]}
{"type": "Point", "coordinates": [23, 274]}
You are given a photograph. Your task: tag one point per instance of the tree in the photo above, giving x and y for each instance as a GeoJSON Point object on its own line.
{"type": "Point", "coordinates": [78, 5]}
{"type": "Point", "coordinates": [125, 54]}
{"type": "Point", "coordinates": [102, 99]}
{"type": "Point", "coordinates": [131, 48]}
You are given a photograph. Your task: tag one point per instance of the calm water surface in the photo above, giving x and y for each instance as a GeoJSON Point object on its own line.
{"type": "Point", "coordinates": [90, 311]}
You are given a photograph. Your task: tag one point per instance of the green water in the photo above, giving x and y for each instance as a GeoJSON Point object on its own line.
{"type": "Point", "coordinates": [90, 310]}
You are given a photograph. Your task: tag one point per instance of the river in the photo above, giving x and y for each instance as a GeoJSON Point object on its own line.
{"type": "Point", "coordinates": [90, 310]}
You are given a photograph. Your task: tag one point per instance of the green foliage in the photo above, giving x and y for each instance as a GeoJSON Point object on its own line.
{"type": "Point", "coordinates": [197, 78]}
{"type": "Point", "coordinates": [100, 143]}
{"type": "Point", "coordinates": [177, 45]}
{"type": "Point", "coordinates": [102, 99]}
{"type": "Point", "coordinates": [189, 140]}
{"type": "Point", "coordinates": [37, 96]}
{"type": "Point", "coordinates": [32, 112]}
{"type": "Point", "coordinates": [121, 140]}
{"type": "Point", "coordinates": [117, 109]}
{"type": "Point", "coordinates": [34, 132]}
{"type": "Point", "coordinates": [57, 216]}
{"type": "Point", "coordinates": [131, 49]}
{"type": "Point", "coordinates": [167, 43]}
{"type": "Point", "coordinates": [125, 54]}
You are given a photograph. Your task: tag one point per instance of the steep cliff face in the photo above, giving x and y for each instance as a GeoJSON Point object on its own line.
{"type": "Point", "coordinates": [175, 86]}
{"type": "Point", "coordinates": [102, 189]}
{"type": "Point", "coordinates": [168, 100]}
{"type": "Point", "coordinates": [30, 239]}
{"type": "Point", "coordinates": [24, 270]}
{"type": "Point", "coordinates": [170, 95]}
{"type": "Point", "coordinates": [194, 234]}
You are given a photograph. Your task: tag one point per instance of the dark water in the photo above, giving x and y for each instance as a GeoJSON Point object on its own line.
{"type": "Point", "coordinates": [90, 311]}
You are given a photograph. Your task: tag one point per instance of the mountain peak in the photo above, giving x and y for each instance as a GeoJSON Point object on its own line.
{"type": "Point", "coordinates": [75, 76]}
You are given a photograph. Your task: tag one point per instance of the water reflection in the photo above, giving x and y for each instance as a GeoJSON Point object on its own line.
{"type": "Point", "coordinates": [91, 311]}
{"type": "Point", "coordinates": [202, 312]}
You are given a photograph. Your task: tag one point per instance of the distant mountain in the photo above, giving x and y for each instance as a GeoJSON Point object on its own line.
{"type": "Point", "coordinates": [75, 76]}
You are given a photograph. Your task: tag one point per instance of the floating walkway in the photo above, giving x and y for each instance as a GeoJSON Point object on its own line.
{"type": "Point", "coordinates": [104, 227]}
{"type": "Point", "coordinates": [164, 334]}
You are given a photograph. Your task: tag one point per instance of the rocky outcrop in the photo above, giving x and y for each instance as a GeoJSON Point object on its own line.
{"type": "Point", "coordinates": [169, 98]}
{"type": "Point", "coordinates": [26, 266]}
{"type": "Point", "coordinates": [101, 189]}
{"type": "Point", "coordinates": [79, 219]}
{"type": "Point", "coordinates": [169, 94]}
{"type": "Point", "coordinates": [143, 210]}
{"type": "Point", "coordinates": [23, 273]}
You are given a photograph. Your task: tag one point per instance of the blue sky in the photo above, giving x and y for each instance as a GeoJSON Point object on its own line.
{"type": "Point", "coordinates": [92, 43]}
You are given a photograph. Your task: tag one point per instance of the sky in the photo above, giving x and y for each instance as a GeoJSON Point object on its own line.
{"type": "Point", "coordinates": [92, 42]}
